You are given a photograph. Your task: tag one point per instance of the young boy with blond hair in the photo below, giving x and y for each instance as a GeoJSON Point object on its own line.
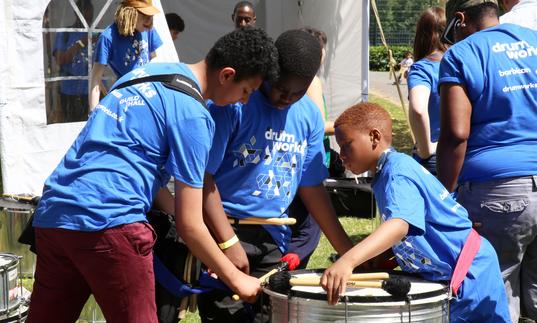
{"type": "Point", "coordinates": [428, 231]}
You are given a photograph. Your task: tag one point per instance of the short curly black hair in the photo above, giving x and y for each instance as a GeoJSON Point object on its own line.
{"type": "Point", "coordinates": [250, 51]}
{"type": "Point", "coordinates": [299, 54]}
{"type": "Point", "coordinates": [242, 4]}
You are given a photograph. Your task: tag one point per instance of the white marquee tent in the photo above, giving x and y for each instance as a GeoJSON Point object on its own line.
{"type": "Point", "coordinates": [31, 145]}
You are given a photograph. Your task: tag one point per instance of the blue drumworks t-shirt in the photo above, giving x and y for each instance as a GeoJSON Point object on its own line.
{"type": "Point", "coordinates": [438, 229]}
{"type": "Point", "coordinates": [261, 155]}
{"type": "Point", "coordinates": [78, 66]}
{"type": "Point", "coordinates": [425, 72]}
{"type": "Point", "coordinates": [498, 68]}
{"type": "Point", "coordinates": [439, 225]}
{"type": "Point", "coordinates": [133, 141]}
{"type": "Point", "coordinates": [125, 53]}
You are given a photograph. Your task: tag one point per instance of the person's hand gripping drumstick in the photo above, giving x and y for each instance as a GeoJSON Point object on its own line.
{"type": "Point", "coordinates": [334, 279]}
{"type": "Point", "coordinates": [263, 279]}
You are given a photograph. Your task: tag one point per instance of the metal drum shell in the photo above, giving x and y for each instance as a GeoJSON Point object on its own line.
{"type": "Point", "coordinates": [298, 308]}
{"type": "Point", "coordinates": [9, 278]}
{"type": "Point", "coordinates": [12, 223]}
{"type": "Point", "coordinates": [18, 315]}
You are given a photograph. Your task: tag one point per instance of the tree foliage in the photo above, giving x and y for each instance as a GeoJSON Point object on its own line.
{"type": "Point", "coordinates": [398, 19]}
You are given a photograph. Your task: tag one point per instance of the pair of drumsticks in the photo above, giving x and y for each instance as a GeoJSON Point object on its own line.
{"type": "Point", "coordinates": [282, 282]}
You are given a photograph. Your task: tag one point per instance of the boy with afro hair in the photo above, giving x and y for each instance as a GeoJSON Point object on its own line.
{"type": "Point", "coordinates": [427, 230]}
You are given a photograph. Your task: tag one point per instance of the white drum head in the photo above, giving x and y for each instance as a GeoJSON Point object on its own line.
{"type": "Point", "coordinates": [417, 287]}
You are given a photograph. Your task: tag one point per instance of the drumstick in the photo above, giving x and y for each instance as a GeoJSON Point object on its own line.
{"type": "Point", "coordinates": [21, 198]}
{"type": "Point", "coordinates": [316, 280]}
{"type": "Point", "coordinates": [283, 281]}
{"type": "Point", "coordinates": [273, 221]}
{"type": "Point", "coordinates": [263, 279]}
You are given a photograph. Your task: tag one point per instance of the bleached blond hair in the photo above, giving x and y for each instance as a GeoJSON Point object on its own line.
{"type": "Point", "coordinates": [125, 18]}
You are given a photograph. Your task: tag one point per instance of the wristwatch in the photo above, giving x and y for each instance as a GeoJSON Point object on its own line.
{"type": "Point", "coordinates": [80, 43]}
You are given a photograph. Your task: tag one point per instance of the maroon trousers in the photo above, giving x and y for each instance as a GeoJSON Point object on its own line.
{"type": "Point", "coordinates": [115, 265]}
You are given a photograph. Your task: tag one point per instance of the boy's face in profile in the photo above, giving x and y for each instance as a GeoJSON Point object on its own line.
{"type": "Point", "coordinates": [357, 148]}
{"type": "Point", "coordinates": [228, 91]}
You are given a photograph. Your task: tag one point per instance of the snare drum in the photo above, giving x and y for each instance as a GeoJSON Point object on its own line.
{"type": "Point", "coordinates": [9, 287]}
{"type": "Point", "coordinates": [426, 302]}
{"type": "Point", "coordinates": [17, 316]}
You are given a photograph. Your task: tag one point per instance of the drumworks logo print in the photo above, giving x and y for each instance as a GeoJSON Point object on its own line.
{"type": "Point", "coordinates": [516, 50]}
{"type": "Point", "coordinates": [282, 154]}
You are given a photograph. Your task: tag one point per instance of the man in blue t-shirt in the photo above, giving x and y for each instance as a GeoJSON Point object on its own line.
{"type": "Point", "coordinates": [92, 235]}
{"type": "Point", "coordinates": [128, 43]}
{"type": "Point", "coordinates": [488, 88]}
{"type": "Point", "coordinates": [263, 154]}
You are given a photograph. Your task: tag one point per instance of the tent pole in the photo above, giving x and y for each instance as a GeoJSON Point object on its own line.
{"type": "Point", "coordinates": [365, 50]}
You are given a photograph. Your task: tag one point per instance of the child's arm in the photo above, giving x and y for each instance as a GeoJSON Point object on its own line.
{"type": "Point", "coordinates": [334, 278]}
{"type": "Point", "coordinates": [216, 220]}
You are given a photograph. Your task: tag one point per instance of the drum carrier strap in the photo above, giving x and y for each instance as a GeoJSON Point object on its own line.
{"type": "Point", "coordinates": [177, 82]}
{"type": "Point", "coordinates": [466, 257]}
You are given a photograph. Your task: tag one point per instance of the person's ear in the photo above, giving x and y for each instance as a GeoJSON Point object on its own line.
{"type": "Point", "coordinates": [462, 19]}
{"type": "Point", "coordinates": [226, 74]}
{"type": "Point", "coordinates": [375, 135]}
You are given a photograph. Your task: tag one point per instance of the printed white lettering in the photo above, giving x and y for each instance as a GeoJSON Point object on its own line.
{"type": "Point", "coordinates": [109, 113]}
{"type": "Point", "coordinates": [284, 141]}
{"type": "Point", "coordinates": [131, 101]}
{"type": "Point", "coordinates": [516, 50]}
{"type": "Point", "coordinates": [514, 71]}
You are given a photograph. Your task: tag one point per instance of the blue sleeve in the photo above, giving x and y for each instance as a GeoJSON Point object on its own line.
{"type": "Point", "coordinates": [103, 50]}
{"type": "Point", "coordinates": [419, 75]}
{"type": "Point", "coordinates": [225, 119]}
{"type": "Point", "coordinates": [189, 141]}
{"type": "Point", "coordinates": [59, 43]}
{"type": "Point", "coordinates": [154, 40]}
{"type": "Point", "coordinates": [403, 200]}
{"type": "Point", "coordinates": [461, 65]}
{"type": "Point", "coordinates": [314, 171]}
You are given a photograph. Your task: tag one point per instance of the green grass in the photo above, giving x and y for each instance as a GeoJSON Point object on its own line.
{"type": "Point", "coordinates": [356, 228]}
{"type": "Point", "coordinates": [401, 137]}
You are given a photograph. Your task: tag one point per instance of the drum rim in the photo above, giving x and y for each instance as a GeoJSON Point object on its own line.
{"type": "Point", "coordinates": [12, 263]}
{"type": "Point", "coordinates": [20, 312]}
{"type": "Point", "coordinates": [367, 299]}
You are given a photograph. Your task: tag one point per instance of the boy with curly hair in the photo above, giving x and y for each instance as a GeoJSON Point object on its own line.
{"type": "Point", "coordinates": [92, 235]}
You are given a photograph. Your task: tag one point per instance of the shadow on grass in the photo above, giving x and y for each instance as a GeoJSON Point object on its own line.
{"type": "Point", "coordinates": [356, 238]}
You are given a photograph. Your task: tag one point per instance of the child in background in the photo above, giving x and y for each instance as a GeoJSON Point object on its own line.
{"type": "Point", "coordinates": [128, 43]}
{"type": "Point", "coordinates": [404, 66]}
{"type": "Point", "coordinates": [426, 228]}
